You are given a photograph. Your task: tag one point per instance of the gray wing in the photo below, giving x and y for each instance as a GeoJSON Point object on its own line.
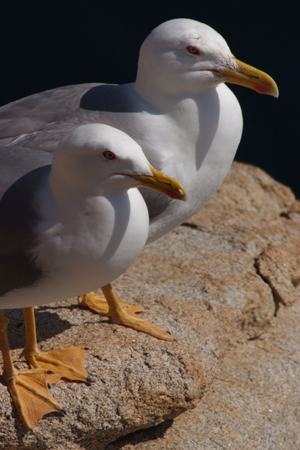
{"type": "Point", "coordinates": [18, 219]}
{"type": "Point", "coordinates": [41, 120]}
{"type": "Point", "coordinates": [38, 122]}
{"type": "Point", "coordinates": [23, 120]}
{"type": "Point", "coordinates": [16, 162]}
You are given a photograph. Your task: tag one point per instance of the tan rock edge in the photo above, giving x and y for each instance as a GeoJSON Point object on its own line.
{"type": "Point", "coordinates": [215, 284]}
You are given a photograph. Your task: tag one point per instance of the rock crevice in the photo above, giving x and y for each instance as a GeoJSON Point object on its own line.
{"type": "Point", "coordinates": [213, 283]}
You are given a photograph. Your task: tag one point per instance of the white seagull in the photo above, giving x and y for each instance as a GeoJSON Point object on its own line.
{"type": "Point", "coordinates": [180, 111]}
{"type": "Point", "coordinates": [65, 229]}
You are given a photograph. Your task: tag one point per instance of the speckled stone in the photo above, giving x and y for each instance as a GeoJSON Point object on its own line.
{"type": "Point", "coordinates": [215, 284]}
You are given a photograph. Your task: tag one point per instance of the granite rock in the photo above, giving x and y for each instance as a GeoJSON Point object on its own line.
{"type": "Point", "coordinates": [225, 284]}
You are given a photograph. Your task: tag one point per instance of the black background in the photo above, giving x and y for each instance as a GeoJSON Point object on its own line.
{"type": "Point", "coordinates": [46, 44]}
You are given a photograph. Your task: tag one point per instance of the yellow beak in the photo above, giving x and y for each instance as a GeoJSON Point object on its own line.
{"type": "Point", "coordinates": [250, 77]}
{"type": "Point", "coordinates": [162, 183]}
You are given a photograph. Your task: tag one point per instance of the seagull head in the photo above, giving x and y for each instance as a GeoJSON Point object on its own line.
{"type": "Point", "coordinates": [183, 56]}
{"type": "Point", "coordinates": [97, 159]}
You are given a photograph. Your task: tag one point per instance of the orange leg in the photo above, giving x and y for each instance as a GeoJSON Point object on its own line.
{"type": "Point", "coordinates": [64, 362]}
{"type": "Point", "coordinates": [122, 316]}
{"type": "Point", "coordinates": [99, 305]}
{"type": "Point", "coordinates": [28, 388]}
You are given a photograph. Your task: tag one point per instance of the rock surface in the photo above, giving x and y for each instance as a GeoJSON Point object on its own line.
{"type": "Point", "coordinates": [216, 284]}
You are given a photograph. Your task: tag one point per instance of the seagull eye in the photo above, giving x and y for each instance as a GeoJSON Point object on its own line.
{"type": "Point", "coordinates": [193, 50]}
{"type": "Point", "coordinates": [109, 155]}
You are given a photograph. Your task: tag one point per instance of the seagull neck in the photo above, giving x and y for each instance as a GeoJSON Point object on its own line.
{"type": "Point", "coordinates": [67, 192]}
{"type": "Point", "coordinates": [73, 195]}
{"type": "Point", "coordinates": [157, 97]}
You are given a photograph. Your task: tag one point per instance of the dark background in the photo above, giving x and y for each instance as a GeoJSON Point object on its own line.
{"type": "Point", "coordinates": [46, 44]}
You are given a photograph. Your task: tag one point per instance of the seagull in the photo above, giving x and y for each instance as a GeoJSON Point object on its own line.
{"type": "Point", "coordinates": [180, 111]}
{"type": "Point", "coordinates": [68, 227]}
